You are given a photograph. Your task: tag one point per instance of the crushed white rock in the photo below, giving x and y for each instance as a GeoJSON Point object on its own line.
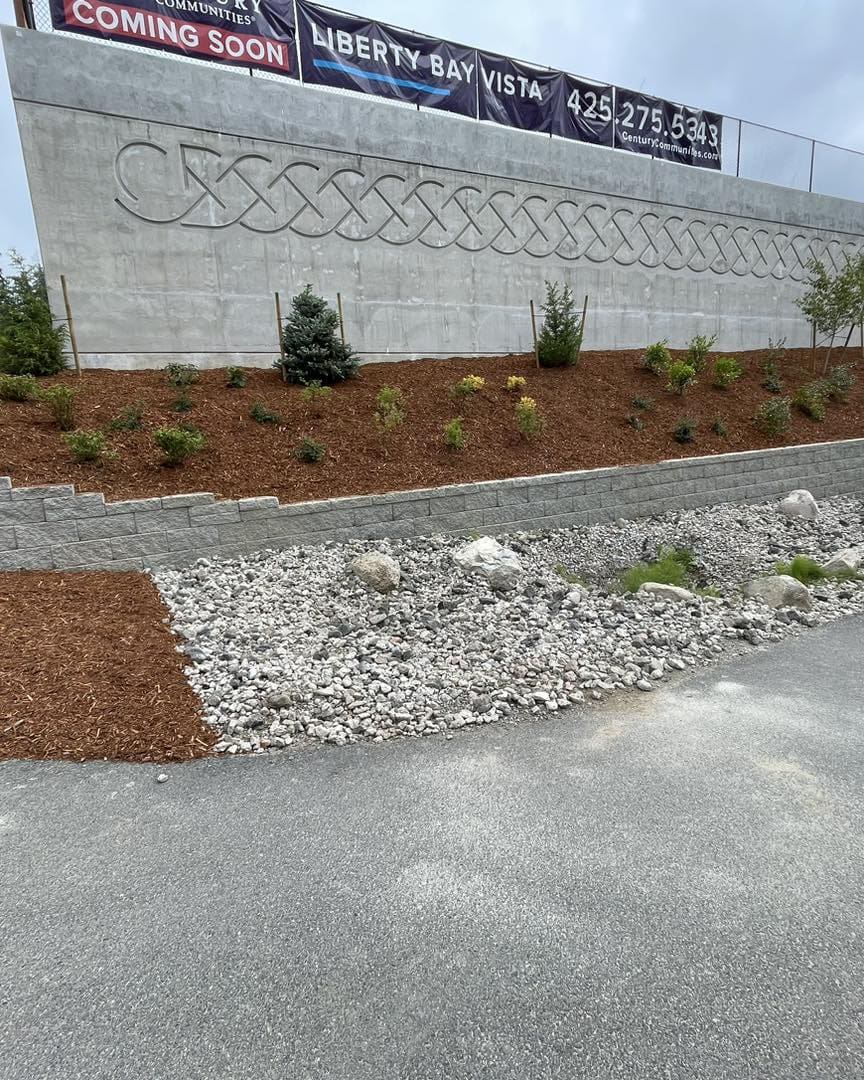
{"type": "Point", "coordinates": [292, 645]}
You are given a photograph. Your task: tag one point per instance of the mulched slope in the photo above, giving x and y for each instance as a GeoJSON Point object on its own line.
{"type": "Point", "coordinates": [585, 410]}
{"type": "Point", "coordinates": [88, 670]}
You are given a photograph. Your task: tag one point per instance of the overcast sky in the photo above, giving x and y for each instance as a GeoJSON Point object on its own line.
{"type": "Point", "coordinates": [792, 64]}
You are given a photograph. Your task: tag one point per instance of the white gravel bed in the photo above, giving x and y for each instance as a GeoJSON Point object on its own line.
{"type": "Point", "coordinates": [291, 645]}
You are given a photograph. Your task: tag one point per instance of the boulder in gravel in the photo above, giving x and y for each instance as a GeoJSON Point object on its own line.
{"type": "Point", "coordinates": [659, 591]}
{"type": "Point", "coordinates": [379, 571]}
{"type": "Point", "coordinates": [779, 591]}
{"type": "Point", "coordinates": [498, 564]}
{"type": "Point", "coordinates": [846, 561]}
{"type": "Point", "coordinates": [800, 504]}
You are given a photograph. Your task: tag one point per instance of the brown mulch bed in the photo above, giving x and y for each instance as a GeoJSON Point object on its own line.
{"type": "Point", "coordinates": [585, 410]}
{"type": "Point", "coordinates": [88, 670]}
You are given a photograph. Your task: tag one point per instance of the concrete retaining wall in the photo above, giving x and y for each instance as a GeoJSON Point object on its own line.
{"type": "Point", "coordinates": [53, 528]}
{"type": "Point", "coordinates": [177, 197]}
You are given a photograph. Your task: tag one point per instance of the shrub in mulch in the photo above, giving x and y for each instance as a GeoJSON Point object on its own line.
{"type": "Point", "coordinates": [89, 670]}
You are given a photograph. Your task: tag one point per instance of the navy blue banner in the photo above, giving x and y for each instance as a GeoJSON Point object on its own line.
{"type": "Point", "coordinates": [586, 112]}
{"type": "Point", "coordinates": [356, 54]}
{"type": "Point", "coordinates": [518, 95]}
{"type": "Point", "coordinates": [661, 129]}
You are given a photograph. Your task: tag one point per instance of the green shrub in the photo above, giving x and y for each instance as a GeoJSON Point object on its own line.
{"type": "Point", "coordinates": [680, 376]}
{"type": "Point", "coordinates": [454, 434]}
{"type": "Point", "coordinates": [181, 374]}
{"type": "Point", "coordinates": [772, 383]}
{"type": "Point", "coordinates": [469, 386]}
{"type": "Point", "coordinates": [389, 409]}
{"type": "Point", "coordinates": [262, 415]}
{"type": "Point", "coordinates": [839, 382]}
{"type": "Point", "coordinates": [559, 342]}
{"type": "Point", "coordinates": [636, 422]}
{"type": "Point", "coordinates": [719, 427]}
{"type": "Point", "coordinates": [775, 353]}
{"type": "Point", "coordinates": [685, 430]}
{"type": "Point", "coordinates": [312, 347]}
{"type": "Point", "coordinates": [128, 419]}
{"type": "Point", "coordinates": [812, 400]}
{"type": "Point", "coordinates": [697, 351]}
{"type": "Point", "coordinates": [31, 342]}
{"type": "Point", "coordinates": [529, 420]}
{"type": "Point", "coordinates": [236, 378]}
{"type": "Point", "coordinates": [86, 445]}
{"type": "Point", "coordinates": [727, 369]}
{"type": "Point", "coordinates": [18, 388]}
{"type": "Point", "coordinates": [774, 416]}
{"type": "Point", "coordinates": [316, 396]}
{"type": "Point", "coordinates": [568, 575]}
{"type": "Point", "coordinates": [645, 403]}
{"type": "Point", "coordinates": [178, 443]}
{"type": "Point", "coordinates": [673, 566]}
{"type": "Point", "coordinates": [803, 568]}
{"type": "Point", "coordinates": [183, 403]}
{"type": "Point", "coordinates": [310, 450]}
{"type": "Point", "coordinates": [60, 402]}
{"type": "Point", "coordinates": [657, 357]}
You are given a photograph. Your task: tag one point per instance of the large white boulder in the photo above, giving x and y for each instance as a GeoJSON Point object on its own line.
{"type": "Point", "coordinates": [846, 561]}
{"type": "Point", "coordinates": [660, 591]}
{"type": "Point", "coordinates": [498, 564]}
{"type": "Point", "coordinates": [780, 590]}
{"type": "Point", "coordinates": [379, 571]}
{"type": "Point", "coordinates": [800, 504]}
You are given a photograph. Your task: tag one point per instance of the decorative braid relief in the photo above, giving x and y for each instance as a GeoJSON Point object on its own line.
{"type": "Point", "coordinates": [198, 187]}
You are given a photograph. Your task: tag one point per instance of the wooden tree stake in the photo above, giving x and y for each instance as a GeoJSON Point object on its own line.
{"type": "Point", "coordinates": [73, 341]}
{"type": "Point", "coordinates": [534, 334]}
{"type": "Point", "coordinates": [280, 336]}
{"type": "Point", "coordinates": [341, 316]}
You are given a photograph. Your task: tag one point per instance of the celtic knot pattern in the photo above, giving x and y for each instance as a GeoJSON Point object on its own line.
{"type": "Point", "coordinates": [197, 187]}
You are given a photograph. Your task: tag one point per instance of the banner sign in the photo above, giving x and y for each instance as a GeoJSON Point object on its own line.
{"type": "Point", "coordinates": [649, 125]}
{"type": "Point", "coordinates": [357, 54]}
{"type": "Point", "coordinates": [587, 113]}
{"type": "Point", "coordinates": [248, 33]}
{"type": "Point", "coordinates": [518, 95]}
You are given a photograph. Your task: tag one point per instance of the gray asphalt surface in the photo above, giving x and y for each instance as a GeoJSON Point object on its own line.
{"type": "Point", "coordinates": [670, 886]}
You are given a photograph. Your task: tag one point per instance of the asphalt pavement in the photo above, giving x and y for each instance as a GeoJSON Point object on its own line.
{"type": "Point", "coordinates": [670, 885]}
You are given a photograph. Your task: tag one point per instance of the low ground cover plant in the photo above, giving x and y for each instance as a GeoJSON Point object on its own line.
{"type": "Point", "coordinates": [469, 386]}
{"type": "Point", "coordinates": [316, 396]}
{"type": "Point", "coordinates": [727, 370]}
{"type": "Point", "coordinates": [313, 349]}
{"type": "Point", "coordinates": [87, 445]}
{"type": "Point", "coordinates": [657, 357]}
{"type": "Point", "coordinates": [178, 443]}
{"type": "Point", "coordinates": [681, 376]}
{"type": "Point", "coordinates": [515, 383]}
{"type": "Point", "coordinates": [697, 351]}
{"type": "Point", "coordinates": [454, 434]}
{"type": "Point", "coordinates": [31, 340]}
{"type": "Point", "coordinates": [128, 419]}
{"type": "Point", "coordinates": [60, 403]}
{"type": "Point", "coordinates": [529, 419]}
{"type": "Point", "coordinates": [774, 416]}
{"type": "Point", "coordinates": [559, 342]}
{"type": "Point", "coordinates": [719, 427]}
{"type": "Point", "coordinates": [236, 378]}
{"type": "Point", "coordinates": [812, 399]}
{"type": "Point", "coordinates": [803, 568]}
{"type": "Point", "coordinates": [643, 403]}
{"type": "Point", "coordinates": [181, 374]}
{"type": "Point", "coordinates": [310, 450]}
{"type": "Point", "coordinates": [389, 409]}
{"type": "Point", "coordinates": [262, 415]}
{"type": "Point", "coordinates": [673, 566]}
{"type": "Point", "coordinates": [636, 422]}
{"type": "Point", "coordinates": [18, 388]}
{"type": "Point", "coordinates": [182, 404]}
{"type": "Point", "coordinates": [685, 430]}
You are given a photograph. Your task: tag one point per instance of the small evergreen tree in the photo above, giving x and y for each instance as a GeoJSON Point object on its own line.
{"type": "Point", "coordinates": [560, 340]}
{"type": "Point", "coordinates": [30, 343]}
{"type": "Point", "coordinates": [313, 350]}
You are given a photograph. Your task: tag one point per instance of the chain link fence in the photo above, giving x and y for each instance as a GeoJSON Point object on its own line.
{"type": "Point", "coordinates": [751, 151]}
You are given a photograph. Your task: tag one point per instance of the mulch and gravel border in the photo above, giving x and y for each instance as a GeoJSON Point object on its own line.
{"type": "Point", "coordinates": [89, 669]}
